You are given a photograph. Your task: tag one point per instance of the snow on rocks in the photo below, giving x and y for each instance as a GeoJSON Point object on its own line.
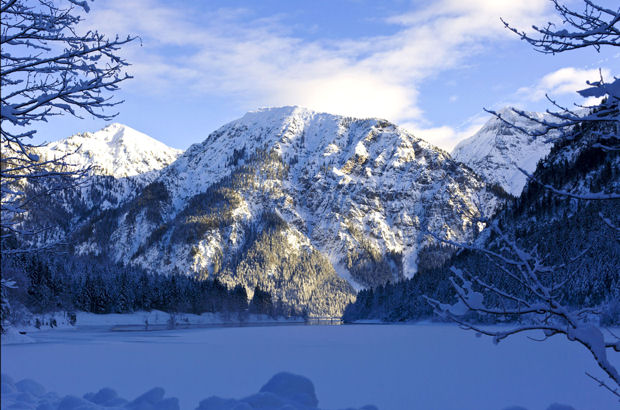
{"type": "Point", "coordinates": [27, 394]}
{"type": "Point", "coordinates": [283, 391]}
{"type": "Point", "coordinates": [106, 397]}
{"type": "Point", "coordinates": [292, 387]}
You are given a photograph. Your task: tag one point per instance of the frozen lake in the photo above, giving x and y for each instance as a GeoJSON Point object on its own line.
{"type": "Point", "coordinates": [391, 366]}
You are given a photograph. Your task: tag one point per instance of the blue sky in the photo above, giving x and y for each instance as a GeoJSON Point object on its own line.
{"type": "Point", "coordinates": [428, 66]}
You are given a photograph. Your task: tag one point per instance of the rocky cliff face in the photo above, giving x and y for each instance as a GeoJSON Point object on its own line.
{"type": "Point", "coordinates": [568, 217]}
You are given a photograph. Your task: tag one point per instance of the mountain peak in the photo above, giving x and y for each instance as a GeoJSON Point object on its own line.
{"type": "Point", "coordinates": [117, 134]}
{"type": "Point", "coordinates": [273, 116]}
{"type": "Point", "coordinates": [116, 150]}
{"type": "Point", "coordinates": [354, 188]}
{"type": "Point", "coordinates": [285, 110]}
{"type": "Point", "coordinates": [300, 137]}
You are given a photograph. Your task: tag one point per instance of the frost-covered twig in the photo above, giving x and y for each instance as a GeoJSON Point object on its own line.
{"type": "Point", "coordinates": [614, 391]}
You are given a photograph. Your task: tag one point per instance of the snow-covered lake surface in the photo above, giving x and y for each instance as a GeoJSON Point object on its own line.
{"type": "Point", "coordinates": [421, 366]}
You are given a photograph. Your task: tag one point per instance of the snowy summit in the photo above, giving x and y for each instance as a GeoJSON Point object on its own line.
{"type": "Point", "coordinates": [117, 150]}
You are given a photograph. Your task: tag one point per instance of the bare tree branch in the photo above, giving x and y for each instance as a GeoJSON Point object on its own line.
{"type": "Point", "coordinates": [48, 69]}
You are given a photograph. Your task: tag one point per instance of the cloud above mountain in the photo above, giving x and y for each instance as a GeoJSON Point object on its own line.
{"type": "Point", "coordinates": [265, 62]}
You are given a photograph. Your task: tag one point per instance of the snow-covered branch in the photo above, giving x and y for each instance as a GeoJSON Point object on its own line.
{"type": "Point", "coordinates": [523, 286]}
{"type": "Point", "coordinates": [595, 26]}
{"type": "Point", "coordinates": [529, 292]}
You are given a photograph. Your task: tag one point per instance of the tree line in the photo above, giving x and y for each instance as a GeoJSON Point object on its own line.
{"type": "Point", "coordinates": [45, 284]}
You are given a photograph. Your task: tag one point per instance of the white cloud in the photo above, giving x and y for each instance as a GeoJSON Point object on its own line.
{"type": "Point", "coordinates": [261, 62]}
{"type": "Point", "coordinates": [447, 137]}
{"type": "Point", "coordinates": [564, 81]}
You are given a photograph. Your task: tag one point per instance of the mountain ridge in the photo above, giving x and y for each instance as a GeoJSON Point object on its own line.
{"type": "Point", "coordinates": [578, 239]}
{"type": "Point", "coordinates": [293, 187]}
{"type": "Point", "coordinates": [306, 206]}
{"type": "Point", "coordinates": [497, 150]}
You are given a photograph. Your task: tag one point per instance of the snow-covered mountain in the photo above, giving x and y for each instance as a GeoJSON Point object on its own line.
{"type": "Point", "coordinates": [498, 150]}
{"type": "Point", "coordinates": [117, 150]}
{"type": "Point", "coordinates": [121, 160]}
{"type": "Point", "coordinates": [284, 198]}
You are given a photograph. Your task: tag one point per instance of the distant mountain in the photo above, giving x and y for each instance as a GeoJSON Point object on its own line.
{"type": "Point", "coordinates": [121, 162]}
{"type": "Point", "coordinates": [117, 150]}
{"type": "Point", "coordinates": [497, 150]}
{"type": "Point", "coordinates": [304, 205]}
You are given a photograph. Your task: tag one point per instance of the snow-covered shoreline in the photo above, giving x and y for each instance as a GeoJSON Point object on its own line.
{"type": "Point", "coordinates": [140, 321]}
